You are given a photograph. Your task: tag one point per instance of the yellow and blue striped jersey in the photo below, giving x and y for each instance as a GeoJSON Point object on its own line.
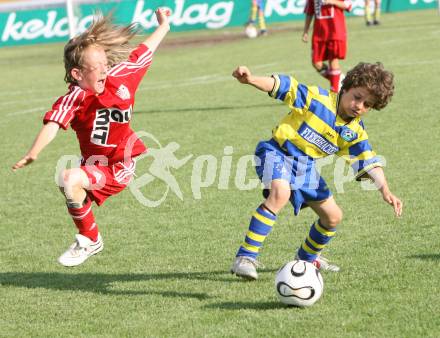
{"type": "Point", "coordinates": [313, 128]}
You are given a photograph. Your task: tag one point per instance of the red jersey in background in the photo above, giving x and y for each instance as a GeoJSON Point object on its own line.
{"type": "Point", "coordinates": [329, 23]}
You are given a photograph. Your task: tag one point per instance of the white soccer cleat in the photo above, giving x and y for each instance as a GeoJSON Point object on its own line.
{"type": "Point", "coordinates": [245, 267]}
{"type": "Point", "coordinates": [323, 264]}
{"type": "Point", "coordinates": [82, 249]}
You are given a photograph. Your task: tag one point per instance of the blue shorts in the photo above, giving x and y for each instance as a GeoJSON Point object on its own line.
{"type": "Point", "coordinates": [260, 4]}
{"type": "Point", "coordinates": [298, 169]}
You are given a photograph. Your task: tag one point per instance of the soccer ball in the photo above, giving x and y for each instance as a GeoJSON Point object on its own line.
{"type": "Point", "coordinates": [299, 283]}
{"type": "Point", "coordinates": [251, 31]}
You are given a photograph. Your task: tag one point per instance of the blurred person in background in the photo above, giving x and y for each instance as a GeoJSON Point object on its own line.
{"type": "Point", "coordinates": [257, 11]}
{"type": "Point", "coordinates": [329, 40]}
{"type": "Point", "coordinates": [375, 18]}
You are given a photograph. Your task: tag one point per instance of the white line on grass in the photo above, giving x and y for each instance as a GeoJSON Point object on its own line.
{"type": "Point", "coordinates": [384, 29]}
{"type": "Point", "coordinates": [23, 101]}
{"type": "Point", "coordinates": [414, 63]}
{"type": "Point", "coordinates": [39, 91]}
{"type": "Point", "coordinates": [198, 80]}
{"type": "Point", "coordinates": [28, 91]}
{"type": "Point", "coordinates": [23, 112]}
{"type": "Point", "coordinates": [408, 41]}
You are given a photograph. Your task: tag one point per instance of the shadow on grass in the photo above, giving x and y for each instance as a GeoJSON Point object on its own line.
{"type": "Point", "coordinates": [102, 283]}
{"type": "Point", "coordinates": [194, 109]}
{"type": "Point", "coordinates": [427, 257]}
{"type": "Point", "coordinates": [259, 306]}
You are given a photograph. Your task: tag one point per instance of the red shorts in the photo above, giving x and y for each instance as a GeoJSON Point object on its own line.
{"type": "Point", "coordinates": [109, 180]}
{"type": "Point", "coordinates": [328, 50]}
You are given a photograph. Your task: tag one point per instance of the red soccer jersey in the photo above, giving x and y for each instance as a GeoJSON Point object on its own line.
{"type": "Point", "coordinates": [329, 20]}
{"type": "Point", "coordinates": [102, 122]}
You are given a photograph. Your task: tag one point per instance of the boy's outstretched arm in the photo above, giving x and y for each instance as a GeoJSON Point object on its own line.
{"type": "Point", "coordinates": [378, 177]}
{"type": "Point", "coordinates": [243, 75]}
{"type": "Point", "coordinates": [44, 137]}
{"type": "Point", "coordinates": [153, 41]}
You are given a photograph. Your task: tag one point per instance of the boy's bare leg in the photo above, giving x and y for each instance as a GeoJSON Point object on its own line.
{"type": "Point", "coordinates": [321, 68]}
{"type": "Point", "coordinates": [73, 184]}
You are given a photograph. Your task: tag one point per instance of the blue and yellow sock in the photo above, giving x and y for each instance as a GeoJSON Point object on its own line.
{"type": "Point", "coordinates": [261, 21]}
{"type": "Point", "coordinates": [317, 239]}
{"type": "Point", "coordinates": [260, 226]}
{"type": "Point", "coordinates": [254, 12]}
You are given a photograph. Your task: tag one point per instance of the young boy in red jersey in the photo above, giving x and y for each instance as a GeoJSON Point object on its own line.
{"type": "Point", "coordinates": [98, 107]}
{"type": "Point", "coordinates": [329, 40]}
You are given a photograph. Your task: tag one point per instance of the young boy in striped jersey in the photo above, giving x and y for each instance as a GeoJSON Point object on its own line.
{"type": "Point", "coordinates": [320, 123]}
{"type": "Point", "coordinates": [103, 73]}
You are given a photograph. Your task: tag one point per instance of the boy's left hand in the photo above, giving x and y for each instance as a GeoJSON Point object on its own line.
{"type": "Point", "coordinates": [394, 201]}
{"type": "Point", "coordinates": [162, 15]}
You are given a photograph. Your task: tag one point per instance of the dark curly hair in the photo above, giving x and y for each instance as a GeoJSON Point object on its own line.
{"type": "Point", "coordinates": [373, 77]}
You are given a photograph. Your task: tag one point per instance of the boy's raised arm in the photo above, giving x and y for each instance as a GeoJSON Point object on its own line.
{"type": "Point", "coordinates": [153, 41]}
{"type": "Point", "coordinates": [264, 83]}
{"type": "Point", "coordinates": [44, 137]}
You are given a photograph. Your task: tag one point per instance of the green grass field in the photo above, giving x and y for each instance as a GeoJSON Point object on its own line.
{"type": "Point", "coordinates": [164, 271]}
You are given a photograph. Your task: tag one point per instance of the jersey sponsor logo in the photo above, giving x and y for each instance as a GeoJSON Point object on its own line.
{"type": "Point", "coordinates": [318, 10]}
{"type": "Point", "coordinates": [331, 134]}
{"type": "Point", "coordinates": [211, 14]}
{"type": "Point", "coordinates": [313, 137]}
{"type": "Point", "coordinates": [348, 135]}
{"type": "Point", "coordinates": [318, 4]}
{"type": "Point", "coordinates": [123, 92]}
{"type": "Point", "coordinates": [101, 125]}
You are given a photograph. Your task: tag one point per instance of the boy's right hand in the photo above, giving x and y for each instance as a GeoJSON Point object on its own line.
{"type": "Point", "coordinates": [305, 37]}
{"type": "Point", "coordinates": [27, 159]}
{"type": "Point", "coordinates": [242, 74]}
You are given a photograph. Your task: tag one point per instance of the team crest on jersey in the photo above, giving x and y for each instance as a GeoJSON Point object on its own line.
{"type": "Point", "coordinates": [348, 135]}
{"type": "Point", "coordinates": [123, 92]}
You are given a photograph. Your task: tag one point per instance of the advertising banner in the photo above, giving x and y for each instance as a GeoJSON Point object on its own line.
{"type": "Point", "coordinates": [406, 5]}
{"type": "Point", "coordinates": [51, 24]}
